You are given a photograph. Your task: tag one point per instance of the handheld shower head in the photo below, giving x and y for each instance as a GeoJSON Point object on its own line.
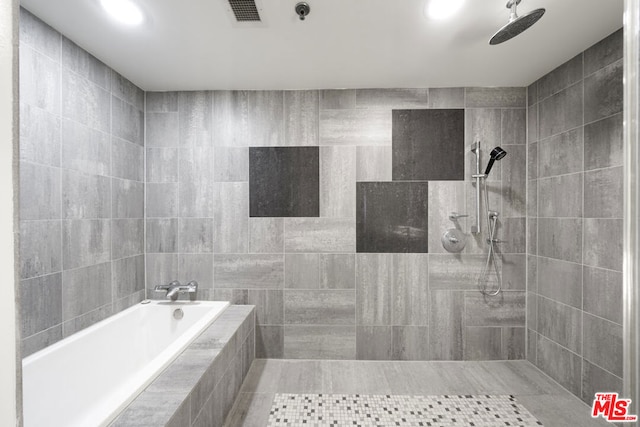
{"type": "Point", "coordinates": [496, 154]}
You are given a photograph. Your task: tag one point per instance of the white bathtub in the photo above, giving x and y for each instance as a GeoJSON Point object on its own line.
{"type": "Point", "coordinates": [89, 377]}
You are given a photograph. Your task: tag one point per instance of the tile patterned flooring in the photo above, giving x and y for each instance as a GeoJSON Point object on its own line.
{"type": "Point", "coordinates": [382, 410]}
{"type": "Point", "coordinates": [542, 397]}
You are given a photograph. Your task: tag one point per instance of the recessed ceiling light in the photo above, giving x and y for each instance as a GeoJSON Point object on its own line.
{"type": "Point", "coordinates": [124, 11]}
{"type": "Point", "coordinates": [442, 9]}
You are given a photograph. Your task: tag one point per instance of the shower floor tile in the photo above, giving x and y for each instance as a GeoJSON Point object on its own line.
{"type": "Point", "coordinates": [320, 410]}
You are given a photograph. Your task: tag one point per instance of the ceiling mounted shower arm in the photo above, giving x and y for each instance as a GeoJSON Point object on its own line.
{"type": "Point", "coordinates": [512, 5]}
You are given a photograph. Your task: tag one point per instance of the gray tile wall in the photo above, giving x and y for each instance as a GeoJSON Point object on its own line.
{"type": "Point", "coordinates": [574, 211]}
{"type": "Point", "coordinates": [316, 297]}
{"type": "Point", "coordinates": [82, 182]}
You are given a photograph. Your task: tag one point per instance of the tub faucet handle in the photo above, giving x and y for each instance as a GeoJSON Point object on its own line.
{"type": "Point", "coordinates": [192, 286]}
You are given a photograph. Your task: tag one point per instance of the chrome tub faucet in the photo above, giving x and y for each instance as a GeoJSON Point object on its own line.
{"type": "Point", "coordinates": [174, 288]}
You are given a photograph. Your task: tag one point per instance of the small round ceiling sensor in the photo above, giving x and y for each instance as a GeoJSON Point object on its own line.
{"type": "Point", "coordinates": [303, 9]}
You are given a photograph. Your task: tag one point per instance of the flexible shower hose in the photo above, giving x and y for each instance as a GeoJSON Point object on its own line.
{"type": "Point", "coordinates": [491, 256]}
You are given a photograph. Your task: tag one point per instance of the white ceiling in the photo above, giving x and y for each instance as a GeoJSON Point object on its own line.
{"type": "Point", "coordinates": [194, 44]}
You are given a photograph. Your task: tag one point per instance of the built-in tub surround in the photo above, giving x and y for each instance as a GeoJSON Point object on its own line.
{"type": "Point", "coordinates": [575, 221]}
{"type": "Point", "coordinates": [315, 296]}
{"type": "Point", "coordinates": [81, 195]}
{"type": "Point", "coordinates": [127, 351]}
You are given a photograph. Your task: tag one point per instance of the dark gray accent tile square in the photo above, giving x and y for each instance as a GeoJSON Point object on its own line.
{"type": "Point", "coordinates": [284, 182]}
{"type": "Point", "coordinates": [392, 217]}
{"type": "Point", "coordinates": [603, 92]}
{"type": "Point", "coordinates": [428, 144]}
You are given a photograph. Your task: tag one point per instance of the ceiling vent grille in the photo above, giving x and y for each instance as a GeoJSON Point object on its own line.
{"type": "Point", "coordinates": [245, 10]}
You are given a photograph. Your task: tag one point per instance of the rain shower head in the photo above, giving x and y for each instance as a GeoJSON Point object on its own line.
{"type": "Point", "coordinates": [496, 154]}
{"type": "Point", "coordinates": [517, 24]}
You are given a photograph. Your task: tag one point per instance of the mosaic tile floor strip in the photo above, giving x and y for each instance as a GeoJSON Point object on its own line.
{"type": "Point", "coordinates": [333, 410]}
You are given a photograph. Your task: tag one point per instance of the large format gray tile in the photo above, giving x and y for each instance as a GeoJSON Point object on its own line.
{"type": "Point", "coordinates": [560, 196]}
{"type": "Point", "coordinates": [338, 99]}
{"type": "Point", "coordinates": [532, 124]}
{"type": "Point", "coordinates": [319, 342]}
{"type": "Point", "coordinates": [266, 235]}
{"type": "Point", "coordinates": [373, 163]}
{"type": "Point", "coordinates": [40, 304]}
{"type": "Point", "coordinates": [319, 307]}
{"type": "Point", "coordinates": [446, 97]}
{"type": "Point", "coordinates": [560, 281]}
{"type": "Point", "coordinates": [560, 238]}
{"type": "Point", "coordinates": [284, 181]}
{"type": "Point", "coordinates": [39, 136]}
{"type": "Point", "coordinates": [196, 182]}
{"type": "Point", "coordinates": [40, 248]}
{"type": "Point", "coordinates": [560, 364]}
{"type": "Point", "coordinates": [269, 305]}
{"type": "Point", "coordinates": [445, 197]}
{"type": "Point", "coordinates": [85, 289]}
{"type": "Point", "coordinates": [373, 342]}
{"type": "Point", "coordinates": [161, 235]}
{"type": "Point", "coordinates": [161, 200]}
{"type": "Point", "coordinates": [266, 118]}
{"type": "Point", "coordinates": [85, 196]}
{"type": "Point", "coordinates": [410, 343]}
{"type": "Point", "coordinates": [301, 116]}
{"type": "Point", "coordinates": [39, 192]}
{"type": "Point", "coordinates": [603, 343]}
{"type": "Point", "coordinates": [162, 165]}
{"type": "Point", "coordinates": [127, 160]}
{"type": "Point", "coordinates": [563, 76]}
{"type": "Point", "coordinates": [561, 154]}
{"type": "Point", "coordinates": [410, 291]}
{"type": "Point", "coordinates": [374, 275]}
{"type": "Point", "coordinates": [603, 93]}
{"type": "Point", "coordinates": [482, 343]}
{"type": "Point", "coordinates": [126, 90]}
{"type": "Point", "coordinates": [418, 135]}
{"type": "Point", "coordinates": [231, 217]}
{"type": "Point", "coordinates": [249, 271]}
{"type": "Point", "coordinates": [302, 271]}
{"type": "Point", "coordinates": [39, 80]}
{"type": "Point", "coordinates": [231, 164]}
{"type": "Point", "coordinates": [270, 341]}
{"type": "Point", "coordinates": [596, 379]}
{"type": "Point", "coordinates": [392, 98]}
{"type": "Point", "coordinates": [161, 269]}
{"type": "Point", "coordinates": [603, 143]}
{"type": "Point", "coordinates": [355, 127]}
{"type": "Point", "coordinates": [127, 121]}
{"type": "Point", "coordinates": [498, 97]}
{"type": "Point", "coordinates": [161, 129]}
{"type": "Point", "coordinates": [86, 242]}
{"type": "Point", "coordinates": [195, 235]}
{"type": "Point", "coordinates": [603, 53]}
{"type": "Point", "coordinates": [37, 34]}
{"type": "Point", "coordinates": [446, 310]}
{"type": "Point", "coordinates": [337, 271]}
{"type": "Point", "coordinates": [505, 309]}
{"type": "Point", "coordinates": [560, 323]}
{"type": "Point", "coordinates": [161, 102]}
{"type": "Point", "coordinates": [127, 237]}
{"type": "Point", "coordinates": [600, 249]}
{"type": "Point", "coordinates": [603, 293]}
{"type": "Point", "coordinates": [337, 182]}
{"type": "Point", "coordinates": [195, 112]}
{"type": "Point", "coordinates": [561, 112]}
{"type": "Point", "coordinates": [319, 235]}
{"type": "Point", "coordinates": [127, 276]}
{"type": "Point", "coordinates": [85, 102]}
{"type": "Point", "coordinates": [392, 217]}
{"type": "Point", "coordinates": [127, 198]}
{"type": "Point", "coordinates": [196, 267]}
{"type": "Point", "coordinates": [231, 119]}
{"type": "Point", "coordinates": [603, 196]}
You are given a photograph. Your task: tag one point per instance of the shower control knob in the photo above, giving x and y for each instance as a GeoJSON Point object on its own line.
{"type": "Point", "coordinates": [453, 240]}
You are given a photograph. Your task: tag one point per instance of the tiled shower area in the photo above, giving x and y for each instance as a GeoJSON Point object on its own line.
{"type": "Point", "coordinates": [325, 209]}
